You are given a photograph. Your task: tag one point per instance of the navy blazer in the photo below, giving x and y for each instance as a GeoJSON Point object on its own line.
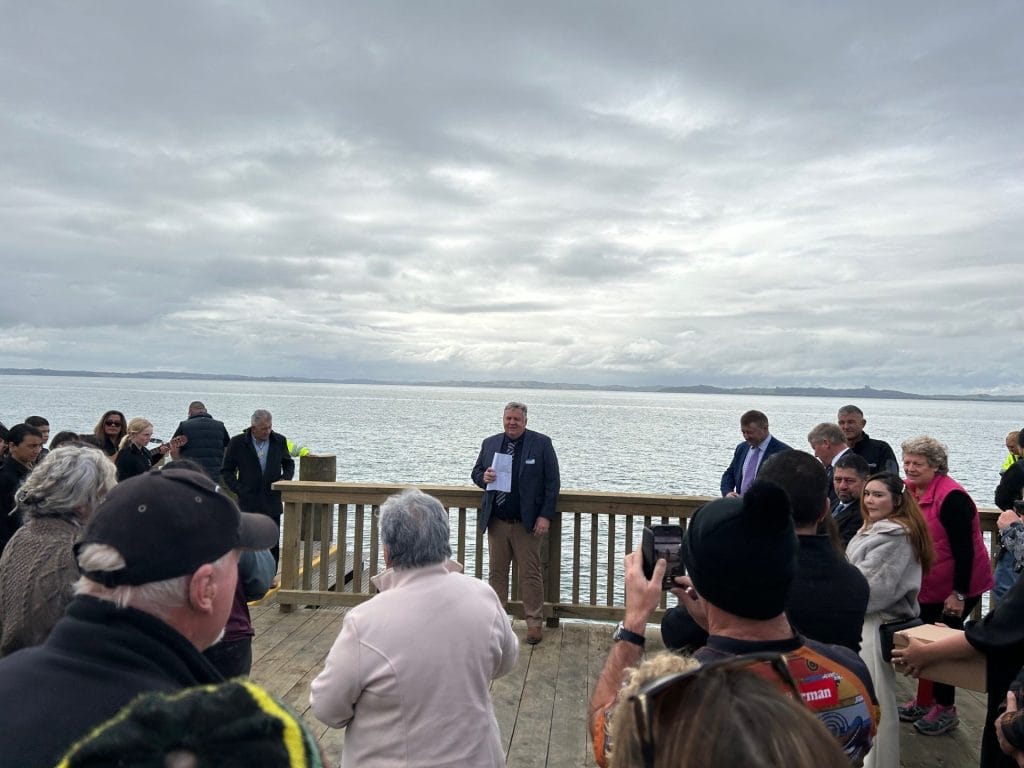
{"type": "Point", "coordinates": [732, 478]}
{"type": "Point", "coordinates": [538, 478]}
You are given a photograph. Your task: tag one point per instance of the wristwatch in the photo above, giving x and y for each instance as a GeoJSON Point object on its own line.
{"type": "Point", "coordinates": [621, 633]}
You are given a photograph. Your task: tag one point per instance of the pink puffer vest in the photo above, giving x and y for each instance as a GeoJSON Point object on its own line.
{"type": "Point", "coordinates": [938, 582]}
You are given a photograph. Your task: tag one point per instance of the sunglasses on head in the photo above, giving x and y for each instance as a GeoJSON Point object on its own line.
{"type": "Point", "coordinates": [645, 700]}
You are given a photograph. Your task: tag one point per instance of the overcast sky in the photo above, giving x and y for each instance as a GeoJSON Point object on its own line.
{"type": "Point", "coordinates": [637, 193]}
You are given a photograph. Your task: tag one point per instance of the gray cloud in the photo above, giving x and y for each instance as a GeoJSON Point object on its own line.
{"type": "Point", "coordinates": [592, 192]}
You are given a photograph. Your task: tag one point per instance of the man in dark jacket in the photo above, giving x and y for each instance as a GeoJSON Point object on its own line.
{"type": "Point", "coordinates": [24, 444]}
{"type": "Point", "coordinates": [165, 545]}
{"type": "Point", "coordinates": [828, 597]}
{"type": "Point", "coordinates": [207, 439]}
{"type": "Point", "coordinates": [877, 453]}
{"type": "Point", "coordinates": [848, 479]}
{"type": "Point", "coordinates": [517, 515]}
{"type": "Point", "coordinates": [253, 462]}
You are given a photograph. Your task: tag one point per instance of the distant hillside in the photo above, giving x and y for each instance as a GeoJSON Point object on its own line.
{"type": "Point", "coordinates": [860, 393]}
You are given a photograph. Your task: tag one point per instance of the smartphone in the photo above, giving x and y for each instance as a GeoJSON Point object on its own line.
{"type": "Point", "coordinates": [663, 541]}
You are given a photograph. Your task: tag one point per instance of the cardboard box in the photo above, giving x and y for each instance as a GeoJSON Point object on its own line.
{"type": "Point", "coordinates": [963, 673]}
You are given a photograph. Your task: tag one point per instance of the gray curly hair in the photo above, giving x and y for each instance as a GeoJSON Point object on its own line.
{"type": "Point", "coordinates": [68, 482]}
{"type": "Point", "coordinates": [934, 452]}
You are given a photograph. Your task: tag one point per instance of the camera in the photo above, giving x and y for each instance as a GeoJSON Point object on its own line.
{"type": "Point", "coordinates": [663, 541]}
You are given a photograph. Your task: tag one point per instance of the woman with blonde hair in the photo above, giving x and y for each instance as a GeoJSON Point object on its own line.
{"type": "Point", "coordinates": [892, 549]}
{"type": "Point", "coordinates": [38, 566]}
{"type": "Point", "coordinates": [134, 455]}
{"type": "Point", "coordinates": [713, 716]}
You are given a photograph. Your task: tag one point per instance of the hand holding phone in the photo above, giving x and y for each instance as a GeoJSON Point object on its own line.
{"type": "Point", "coordinates": [663, 542]}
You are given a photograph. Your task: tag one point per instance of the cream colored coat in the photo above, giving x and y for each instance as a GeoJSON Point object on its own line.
{"type": "Point", "coordinates": [409, 675]}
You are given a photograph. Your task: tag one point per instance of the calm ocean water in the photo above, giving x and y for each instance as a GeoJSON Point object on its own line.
{"type": "Point", "coordinates": [606, 441]}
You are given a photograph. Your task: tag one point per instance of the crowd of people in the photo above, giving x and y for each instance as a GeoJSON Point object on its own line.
{"type": "Point", "coordinates": [125, 572]}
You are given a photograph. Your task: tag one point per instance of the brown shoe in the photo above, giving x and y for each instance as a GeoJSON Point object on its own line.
{"type": "Point", "coordinates": [534, 635]}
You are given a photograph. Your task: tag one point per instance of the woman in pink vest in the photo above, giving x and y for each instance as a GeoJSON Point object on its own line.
{"type": "Point", "coordinates": [957, 579]}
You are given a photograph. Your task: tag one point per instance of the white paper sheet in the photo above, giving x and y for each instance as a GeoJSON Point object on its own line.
{"type": "Point", "coordinates": [502, 466]}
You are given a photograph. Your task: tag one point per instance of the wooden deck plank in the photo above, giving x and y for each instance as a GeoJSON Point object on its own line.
{"type": "Point", "coordinates": [541, 706]}
{"type": "Point", "coordinates": [530, 738]}
{"type": "Point", "coordinates": [507, 691]}
{"type": "Point", "coordinates": [567, 744]}
{"type": "Point", "coordinates": [288, 663]}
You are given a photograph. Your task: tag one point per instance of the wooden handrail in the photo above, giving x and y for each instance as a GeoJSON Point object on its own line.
{"type": "Point", "coordinates": [589, 537]}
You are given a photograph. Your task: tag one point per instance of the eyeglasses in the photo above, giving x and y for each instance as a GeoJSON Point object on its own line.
{"type": "Point", "coordinates": [112, 423]}
{"type": "Point", "coordinates": [645, 700]}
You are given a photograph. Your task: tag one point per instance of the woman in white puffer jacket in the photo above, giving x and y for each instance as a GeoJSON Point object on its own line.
{"type": "Point", "coordinates": [892, 549]}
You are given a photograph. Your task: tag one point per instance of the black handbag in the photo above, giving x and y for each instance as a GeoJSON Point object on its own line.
{"type": "Point", "coordinates": [887, 634]}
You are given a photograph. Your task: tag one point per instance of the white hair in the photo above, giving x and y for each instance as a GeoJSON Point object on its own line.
{"type": "Point", "coordinates": [159, 598]}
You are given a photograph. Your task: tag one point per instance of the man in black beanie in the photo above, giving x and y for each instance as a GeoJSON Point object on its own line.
{"type": "Point", "coordinates": [741, 557]}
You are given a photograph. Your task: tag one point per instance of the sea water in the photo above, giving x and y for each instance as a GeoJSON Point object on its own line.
{"type": "Point", "coordinates": [605, 441]}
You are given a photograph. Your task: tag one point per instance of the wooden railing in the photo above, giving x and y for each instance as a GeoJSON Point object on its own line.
{"type": "Point", "coordinates": [330, 548]}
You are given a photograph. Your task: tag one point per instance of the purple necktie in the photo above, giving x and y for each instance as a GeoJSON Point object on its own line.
{"type": "Point", "coordinates": [749, 468]}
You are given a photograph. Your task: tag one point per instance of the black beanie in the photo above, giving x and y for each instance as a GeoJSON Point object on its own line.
{"type": "Point", "coordinates": [741, 552]}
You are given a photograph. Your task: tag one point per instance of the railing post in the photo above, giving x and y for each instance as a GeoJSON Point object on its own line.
{"type": "Point", "coordinates": [289, 550]}
{"type": "Point", "coordinates": [553, 567]}
{"type": "Point", "coordinates": [316, 467]}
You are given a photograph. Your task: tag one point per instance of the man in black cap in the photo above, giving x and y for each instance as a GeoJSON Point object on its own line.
{"type": "Point", "coordinates": [741, 557]}
{"type": "Point", "coordinates": [159, 567]}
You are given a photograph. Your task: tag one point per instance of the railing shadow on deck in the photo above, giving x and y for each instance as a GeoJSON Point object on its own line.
{"type": "Point", "coordinates": [582, 554]}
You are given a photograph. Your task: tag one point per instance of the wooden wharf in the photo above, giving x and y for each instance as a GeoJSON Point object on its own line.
{"type": "Point", "coordinates": [541, 707]}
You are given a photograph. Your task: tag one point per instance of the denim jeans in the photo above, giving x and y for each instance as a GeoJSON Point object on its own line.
{"type": "Point", "coordinates": [1004, 574]}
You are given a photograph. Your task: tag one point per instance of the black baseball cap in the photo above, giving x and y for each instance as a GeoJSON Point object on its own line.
{"type": "Point", "coordinates": [168, 522]}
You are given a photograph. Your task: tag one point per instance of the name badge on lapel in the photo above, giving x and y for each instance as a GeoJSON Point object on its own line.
{"type": "Point", "coordinates": [530, 461]}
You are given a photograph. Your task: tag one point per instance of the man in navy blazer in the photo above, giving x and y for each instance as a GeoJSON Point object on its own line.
{"type": "Point", "coordinates": [517, 520]}
{"type": "Point", "coordinates": [756, 437]}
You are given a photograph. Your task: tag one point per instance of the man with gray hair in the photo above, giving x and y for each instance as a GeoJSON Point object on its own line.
{"type": "Point", "coordinates": [409, 675]}
{"type": "Point", "coordinates": [877, 453]}
{"type": "Point", "coordinates": [517, 513]}
{"type": "Point", "coordinates": [828, 443]}
{"type": "Point", "coordinates": [253, 462]}
{"type": "Point", "coordinates": [159, 564]}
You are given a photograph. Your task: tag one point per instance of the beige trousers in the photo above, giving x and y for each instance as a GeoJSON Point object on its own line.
{"type": "Point", "coordinates": [511, 540]}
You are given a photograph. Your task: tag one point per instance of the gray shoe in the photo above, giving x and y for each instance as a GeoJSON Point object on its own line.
{"type": "Point", "coordinates": [939, 720]}
{"type": "Point", "coordinates": [911, 712]}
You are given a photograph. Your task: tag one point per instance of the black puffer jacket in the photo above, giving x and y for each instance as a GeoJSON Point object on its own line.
{"type": "Point", "coordinates": [207, 439]}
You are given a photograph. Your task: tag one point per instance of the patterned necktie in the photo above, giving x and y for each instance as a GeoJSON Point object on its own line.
{"type": "Point", "coordinates": [510, 449]}
{"type": "Point", "coordinates": [748, 469]}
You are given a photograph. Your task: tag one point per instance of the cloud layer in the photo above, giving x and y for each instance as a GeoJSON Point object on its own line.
{"type": "Point", "coordinates": [757, 194]}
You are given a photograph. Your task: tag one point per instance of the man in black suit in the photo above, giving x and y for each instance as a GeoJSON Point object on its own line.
{"type": "Point", "coordinates": [254, 461]}
{"type": "Point", "coordinates": [758, 444]}
{"type": "Point", "coordinates": [848, 479]}
{"type": "Point", "coordinates": [517, 519]}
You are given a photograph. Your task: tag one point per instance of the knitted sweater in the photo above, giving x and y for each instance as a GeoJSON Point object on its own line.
{"type": "Point", "coordinates": [37, 571]}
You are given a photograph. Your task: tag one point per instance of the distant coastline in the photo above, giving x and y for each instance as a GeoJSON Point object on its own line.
{"type": "Point", "coordinates": [860, 393]}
